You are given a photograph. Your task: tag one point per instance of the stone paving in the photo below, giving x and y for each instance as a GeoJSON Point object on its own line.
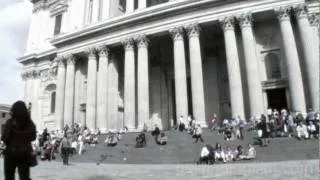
{"type": "Point", "coordinates": [285, 170]}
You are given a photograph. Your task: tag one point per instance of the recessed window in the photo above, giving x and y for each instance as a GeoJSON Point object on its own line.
{"type": "Point", "coordinates": [57, 26]}
{"type": "Point", "coordinates": [3, 115]}
{"type": "Point", "coordinates": [272, 66]}
{"type": "Point", "coordinates": [53, 102]}
{"type": "Point", "coordinates": [90, 9]}
{"type": "Point", "coordinates": [122, 5]}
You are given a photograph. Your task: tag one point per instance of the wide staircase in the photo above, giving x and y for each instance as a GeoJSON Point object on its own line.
{"type": "Point", "coordinates": [181, 148]}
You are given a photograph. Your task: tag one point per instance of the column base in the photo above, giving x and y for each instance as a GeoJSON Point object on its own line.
{"type": "Point", "coordinates": [103, 130]}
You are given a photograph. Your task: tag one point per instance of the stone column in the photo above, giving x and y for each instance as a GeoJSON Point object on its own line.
{"type": "Point", "coordinates": [77, 94]}
{"type": "Point", "coordinates": [252, 67]}
{"type": "Point", "coordinates": [292, 60]}
{"type": "Point", "coordinates": [309, 52]}
{"type": "Point", "coordinates": [102, 91]}
{"type": "Point", "coordinates": [142, 4]}
{"type": "Point", "coordinates": [143, 81]}
{"type": "Point", "coordinates": [91, 104]}
{"type": "Point", "coordinates": [69, 91]}
{"type": "Point", "coordinates": [61, 80]}
{"type": "Point", "coordinates": [129, 84]}
{"type": "Point", "coordinates": [235, 85]}
{"type": "Point", "coordinates": [196, 74]}
{"type": "Point", "coordinates": [129, 6]}
{"type": "Point", "coordinates": [180, 73]}
{"type": "Point", "coordinates": [112, 93]}
{"type": "Point", "coordinates": [314, 20]}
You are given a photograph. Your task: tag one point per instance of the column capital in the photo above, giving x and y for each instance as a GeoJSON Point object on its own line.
{"type": "Point", "coordinates": [314, 19]}
{"type": "Point", "coordinates": [128, 43]}
{"type": "Point", "coordinates": [301, 11]}
{"type": "Point", "coordinates": [227, 23]}
{"type": "Point", "coordinates": [142, 41]}
{"type": "Point", "coordinates": [103, 50]}
{"type": "Point", "coordinates": [91, 51]}
{"type": "Point", "coordinates": [70, 59]}
{"type": "Point", "coordinates": [176, 33]}
{"type": "Point", "coordinates": [25, 76]}
{"type": "Point", "coordinates": [193, 30]}
{"type": "Point", "coordinates": [245, 20]}
{"type": "Point", "coordinates": [59, 61]}
{"type": "Point", "coordinates": [283, 13]}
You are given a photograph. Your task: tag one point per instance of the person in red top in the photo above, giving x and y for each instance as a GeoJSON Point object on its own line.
{"type": "Point", "coordinates": [19, 132]}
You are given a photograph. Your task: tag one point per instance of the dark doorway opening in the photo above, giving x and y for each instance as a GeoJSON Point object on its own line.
{"type": "Point", "coordinates": [277, 99]}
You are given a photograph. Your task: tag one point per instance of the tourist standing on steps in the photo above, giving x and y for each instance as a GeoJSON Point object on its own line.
{"type": "Point", "coordinates": [19, 132]}
{"type": "Point", "coordinates": [198, 133]}
{"type": "Point", "coordinates": [64, 149]}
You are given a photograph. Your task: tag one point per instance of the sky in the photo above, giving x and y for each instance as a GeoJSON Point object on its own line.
{"type": "Point", "coordinates": [14, 26]}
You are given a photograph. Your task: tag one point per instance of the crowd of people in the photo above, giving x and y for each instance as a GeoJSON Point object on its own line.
{"type": "Point", "coordinates": [210, 155]}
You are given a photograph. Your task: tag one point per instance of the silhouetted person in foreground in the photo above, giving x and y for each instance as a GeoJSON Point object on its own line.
{"type": "Point", "coordinates": [19, 132]}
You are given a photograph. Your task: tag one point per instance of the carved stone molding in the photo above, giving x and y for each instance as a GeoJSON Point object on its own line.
{"type": "Point", "coordinates": [70, 59]}
{"type": "Point", "coordinates": [274, 83]}
{"type": "Point", "coordinates": [128, 43]}
{"type": "Point", "coordinates": [301, 11]}
{"type": "Point", "coordinates": [60, 61]}
{"type": "Point", "coordinates": [32, 74]}
{"type": "Point", "coordinates": [176, 33]}
{"type": "Point", "coordinates": [314, 19]}
{"type": "Point", "coordinates": [91, 51]}
{"type": "Point", "coordinates": [245, 20]}
{"type": "Point", "coordinates": [39, 6]}
{"type": "Point", "coordinates": [142, 41]}
{"type": "Point", "coordinates": [49, 74]}
{"type": "Point", "coordinates": [227, 23]}
{"type": "Point", "coordinates": [103, 50]}
{"type": "Point", "coordinates": [283, 13]}
{"type": "Point", "coordinates": [193, 30]}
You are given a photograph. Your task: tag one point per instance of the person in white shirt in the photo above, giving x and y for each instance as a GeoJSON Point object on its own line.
{"type": "Point", "coordinates": [302, 131]}
{"type": "Point", "coordinates": [251, 153]}
{"type": "Point", "coordinates": [204, 154]}
{"type": "Point", "coordinates": [81, 144]}
{"type": "Point", "coordinates": [198, 133]}
{"type": "Point", "coordinates": [311, 129]}
{"type": "Point", "coordinates": [219, 154]}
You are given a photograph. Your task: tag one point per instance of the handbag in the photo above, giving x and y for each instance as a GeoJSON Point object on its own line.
{"type": "Point", "coordinates": [33, 159]}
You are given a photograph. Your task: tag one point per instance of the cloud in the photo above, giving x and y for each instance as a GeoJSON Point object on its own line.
{"type": "Point", "coordinates": [14, 26]}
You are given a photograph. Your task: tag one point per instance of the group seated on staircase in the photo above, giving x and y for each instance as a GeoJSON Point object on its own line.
{"type": "Point", "coordinates": [210, 155]}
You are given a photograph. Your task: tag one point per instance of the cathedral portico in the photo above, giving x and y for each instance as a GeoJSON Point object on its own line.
{"type": "Point", "coordinates": [119, 74]}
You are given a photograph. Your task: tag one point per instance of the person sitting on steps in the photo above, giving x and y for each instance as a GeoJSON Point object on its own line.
{"type": "Point", "coordinates": [162, 139]}
{"type": "Point", "coordinates": [141, 140]}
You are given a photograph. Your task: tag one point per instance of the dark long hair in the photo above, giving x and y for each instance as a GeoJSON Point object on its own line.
{"type": "Point", "coordinates": [20, 114]}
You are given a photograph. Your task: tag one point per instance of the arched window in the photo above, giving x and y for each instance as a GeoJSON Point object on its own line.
{"type": "Point", "coordinates": [53, 103]}
{"type": "Point", "coordinates": [50, 101]}
{"type": "Point", "coordinates": [272, 66]}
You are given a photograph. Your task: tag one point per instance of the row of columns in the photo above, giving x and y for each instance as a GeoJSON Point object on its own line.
{"type": "Point", "coordinates": [296, 87]}
{"type": "Point", "coordinates": [97, 91]}
{"type": "Point", "coordinates": [181, 94]}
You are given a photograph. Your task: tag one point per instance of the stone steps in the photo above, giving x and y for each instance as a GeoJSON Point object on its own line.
{"type": "Point", "coordinates": [182, 149]}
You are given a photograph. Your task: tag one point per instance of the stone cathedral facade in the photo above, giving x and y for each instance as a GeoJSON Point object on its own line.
{"type": "Point", "coordinates": [113, 63]}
